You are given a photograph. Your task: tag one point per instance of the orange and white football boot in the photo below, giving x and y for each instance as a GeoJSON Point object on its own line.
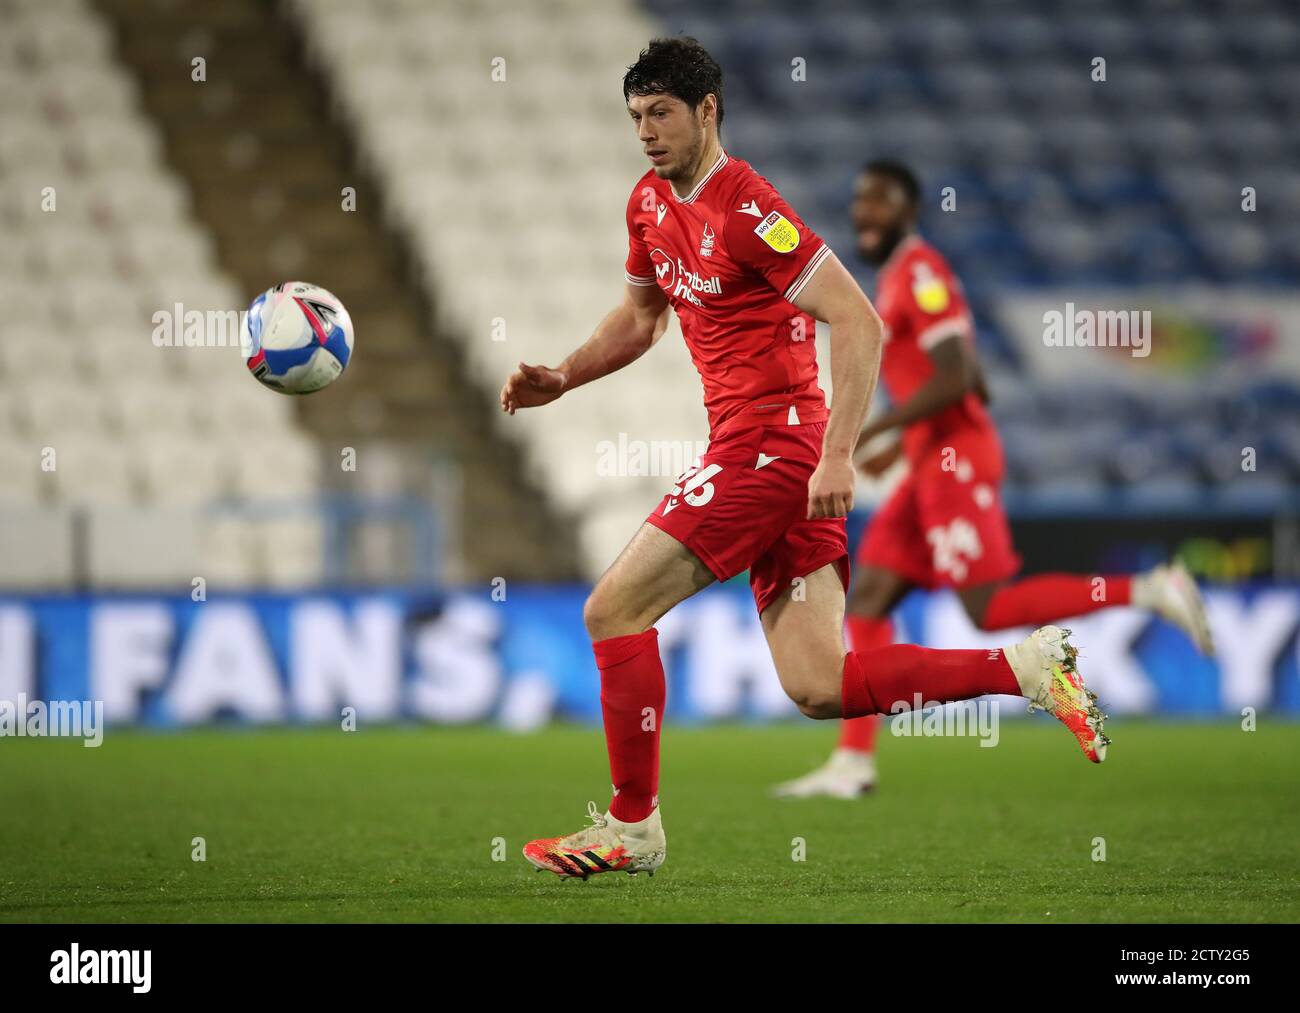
{"type": "Point", "coordinates": [608, 845]}
{"type": "Point", "coordinates": [1044, 665]}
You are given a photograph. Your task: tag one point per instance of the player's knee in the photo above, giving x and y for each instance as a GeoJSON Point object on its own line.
{"type": "Point", "coordinates": [819, 706]}
{"type": "Point", "coordinates": [603, 617]}
{"type": "Point", "coordinates": [816, 699]}
{"type": "Point", "coordinates": [596, 615]}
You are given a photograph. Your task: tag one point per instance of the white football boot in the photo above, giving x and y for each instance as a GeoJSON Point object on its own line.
{"type": "Point", "coordinates": [608, 845]}
{"type": "Point", "coordinates": [849, 773]}
{"type": "Point", "coordinates": [1170, 592]}
{"type": "Point", "coordinates": [1043, 664]}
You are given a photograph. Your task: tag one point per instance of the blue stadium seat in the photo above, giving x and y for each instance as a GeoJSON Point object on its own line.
{"type": "Point", "coordinates": [1062, 182]}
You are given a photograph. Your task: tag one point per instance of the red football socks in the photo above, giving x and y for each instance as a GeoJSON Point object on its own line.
{"type": "Point", "coordinates": [632, 700]}
{"type": "Point", "coordinates": [859, 734]}
{"type": "Point", "coordinates": [1051, 597]}
{"type": "Point", "coordinates": [886, 680]}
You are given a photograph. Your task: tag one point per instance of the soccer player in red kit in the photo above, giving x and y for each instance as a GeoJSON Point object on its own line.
{"type": "Point", "coordinates": [944, 526]}
{"type": "Point", "coordinates": [713, 240]}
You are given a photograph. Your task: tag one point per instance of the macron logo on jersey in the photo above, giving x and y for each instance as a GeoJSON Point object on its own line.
{"type": "Point", "coordinates": [751, 209]}
{"type": "Point", "coordinates": [661, 210]}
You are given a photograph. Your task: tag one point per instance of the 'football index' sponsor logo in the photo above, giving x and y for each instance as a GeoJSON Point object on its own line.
{"type": "Point", "coordinates": [688, 283]}
{"type": "Point", "coordinates": [975, 718]}
{"type": "Point", "coordinates": [1098, 329]}
{"type": "Point", "coordinates": [75, 966]}
{"type": "Point", "coordinates": [679, 281]}
{"type": "Point", "coordinates": [82, 719]}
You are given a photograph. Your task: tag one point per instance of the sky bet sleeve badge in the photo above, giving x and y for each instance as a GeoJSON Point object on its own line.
{"type": "Point", "coordinates": [777, 231]}
{"type": "Point", "coordinates": [928, 289]}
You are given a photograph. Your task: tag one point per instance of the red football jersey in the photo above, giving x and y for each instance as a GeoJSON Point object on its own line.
{"type": "Point", "coordinates": [921, 303]}
{"type": "Point", "coordinates": [731, 256]}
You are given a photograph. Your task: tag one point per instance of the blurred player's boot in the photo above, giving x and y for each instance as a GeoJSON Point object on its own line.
{"type": "Point", "coordinates": [1044, 666]}
{"type": "Point", "coordinates": [608, 845]}
{"type": "Point", "coordinates": [1171, 593]}
{"type": "Point", "coordinates": [847, 774]}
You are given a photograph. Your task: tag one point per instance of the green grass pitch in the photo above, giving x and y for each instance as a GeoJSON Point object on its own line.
{"type": "Point", "coordinates": [1200, 823]}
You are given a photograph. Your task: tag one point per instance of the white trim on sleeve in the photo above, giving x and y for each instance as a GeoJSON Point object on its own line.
{"type": "Point", "coordinates": [953, 327]}
{"type": "Point", "coordinates": [809, 269]}
{"type": "Point", "coordinates": [644, 281]}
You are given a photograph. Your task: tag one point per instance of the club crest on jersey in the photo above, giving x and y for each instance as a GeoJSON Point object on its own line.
{"type": "Point", "coordinates": [706, 242]}
{"type": "Point", "coordinates": [778, 232]}
{"type": "Point", "coordinates": [928, 289]}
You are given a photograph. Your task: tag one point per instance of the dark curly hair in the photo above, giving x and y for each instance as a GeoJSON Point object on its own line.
{"type": "Point", "coordinates": [900, 174]}
{"type": "Point", "coordinates": [680, 67]}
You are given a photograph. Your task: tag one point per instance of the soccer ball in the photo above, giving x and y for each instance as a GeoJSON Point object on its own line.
{"type": "Point", "coordinates": [297, 338]}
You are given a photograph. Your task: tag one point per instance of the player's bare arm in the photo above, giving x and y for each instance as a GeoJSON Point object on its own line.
{"type": "Point", "coordinates": [956, 371]}
{"type": "Point", "coordinates": [626, 333]}
{"type": "Point", "coordinates": [857, 336]}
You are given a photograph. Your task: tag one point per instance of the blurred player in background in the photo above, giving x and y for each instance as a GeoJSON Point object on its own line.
{"type": "Point", "coordinates": [945, 525]}
{"type": "Point", "coordinates": [713, 240]}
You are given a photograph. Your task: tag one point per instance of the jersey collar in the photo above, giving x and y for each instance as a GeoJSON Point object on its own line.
{"type": "Point", "coordinates": [690, 197]}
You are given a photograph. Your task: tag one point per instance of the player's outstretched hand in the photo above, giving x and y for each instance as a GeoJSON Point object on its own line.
{"type": "Point", "coordinates": [530, 386]}
{"type": "Point", "coordinates": [830, 490]}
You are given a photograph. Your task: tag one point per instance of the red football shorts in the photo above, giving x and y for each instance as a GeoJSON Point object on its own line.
{"type": "Point", "coordinates": [945, 525]}
{"type": "Point", "coordinates": [744, 505]}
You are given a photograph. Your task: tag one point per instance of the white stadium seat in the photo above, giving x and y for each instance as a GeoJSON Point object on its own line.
{"type": "Point", "coordinates": [51, 406]}
{"type": "Point", "coordinates": [103, 302]}
{"type": "Point", "coordinates": [143, 439]}
{"type": "Point", "coordinates": [548, 261]}
{"type": "Point", "coordinates": [142, 408]}
{"type": "Point", "coordinates": [21, 478]}
{"type": "Point", "coordinates": [178, 470]}
{"type": "Point", "coordinates": [91, 469]}
{"type": "Point", "coordinates": [120, 142]}
{"type": "Point", "coordinates": [30, 145]}
{"type": "Point", "coordinates": [50, 357]}
{"type": "Point", "coordinates": [282, 470]}
{"type": "Point", "coordinates": [64, 248]}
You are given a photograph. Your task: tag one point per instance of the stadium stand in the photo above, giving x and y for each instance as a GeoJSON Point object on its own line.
{"type": "Point", "coordinates": [1095, 198]}
{"type": "Point", "coordinates": [270, 166]}
{"type": "Point", "coordinates": [519, 231]}
{"type": "Point", "coordinates": [100, 238]}
{"type": "Point", "coordinates": [492, 160]}
{"type": "Point", "coordinates": [168, 463]}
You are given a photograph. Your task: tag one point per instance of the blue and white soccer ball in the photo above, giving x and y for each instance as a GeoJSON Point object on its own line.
{"type": "Point", "coordinates": [297, 338]}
